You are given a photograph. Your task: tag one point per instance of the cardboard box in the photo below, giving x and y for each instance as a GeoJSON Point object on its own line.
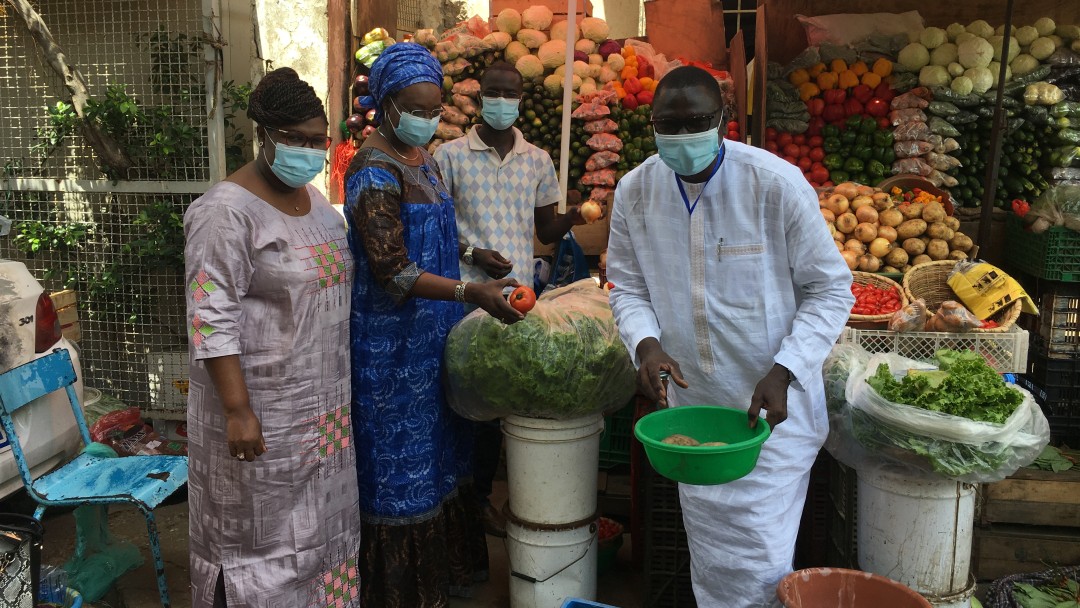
{"type": "Point", "coordinates": [63, 299]}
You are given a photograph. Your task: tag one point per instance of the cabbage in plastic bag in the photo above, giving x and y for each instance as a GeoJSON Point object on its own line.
{"type": "Point", "coordinates": [565, 360]}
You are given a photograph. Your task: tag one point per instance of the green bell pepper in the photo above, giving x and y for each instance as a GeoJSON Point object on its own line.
{"type": "Point", "coordinates": [868, 125]}
{"type": "Point", "coordinates": [854, 123]}
{"type": "Point", "coordinates": [832, 145]}
{"type": "Point", "coordinates": [854, 165]}
{"type": "Point", "coordinates": [888, 157]}
{"type": "Point", "coordinates": [838, 177]}
{"type": "Point", "coordinates": [876, 169]}
{"type": "Point", "coordinates": [883, 139]}
{"type": "Point", "coordinates": [863, 139]}
{"type": "Point", "coordinates": [830, 131]}
{"type": "Point", "coordinates": [848, 137]}
{"type": "Point", "coordinates": [833, 162]}
{"type": "Point", "coordinates": [862, 153]}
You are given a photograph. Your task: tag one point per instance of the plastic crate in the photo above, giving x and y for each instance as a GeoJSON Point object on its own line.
{"type": "Point", "coordinates": [1058, 379]}
{"type": "Point", "coordinates": [667, 554]}
{"type": "Point", "coordinates": [1006, 352]}
{"type": "Point", "coordinates": [842, 549]}
{"type": "Point", "coordinates": [1059, 321]}
{"type": "Point", "coordinates": [1053, 255]}
{"type": "Point", "coordinates": [618, 437]}
{"type": "Point", "coordinates": [1063, 415]}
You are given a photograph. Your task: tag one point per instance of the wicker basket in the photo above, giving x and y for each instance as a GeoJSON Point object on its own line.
{"type": "Point", "coordinates": [869, 278]}
{"type": "Point", "coordinates": [930, 281]}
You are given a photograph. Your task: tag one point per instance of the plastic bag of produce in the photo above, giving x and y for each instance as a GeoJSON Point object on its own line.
{"type": "Point", "coordinates": [592, 110]}
{"type": "Point", "coordinates": [911, 149]}
{"type": "Point", "coordinates": [454, 116]}
{"type": "Point", "coordinates": [1063, 57]}
{"type": "Point", "coordinates": [843, 360]}
{"type": "Point", "coordinates": [564, 360]}
{"type": "Point", "coordinates": [909, 101]}
{"type": "Point", "coordinates": [466, 104]}
{"type": "Point", "coordinates": [912, 131]}
{"type": "Point", "coordinates": [914, 166]}
{"type": "Point", "coordinates": [899, 117]}
{"type": "Point", "coordinates": [604, 125]}
{"type": "Point", "coordinates": [953, 318]}
{"type": "Point", "coordinates": [941, 179]}
{"type": "Point", "coordinates": [603, 177]}
{"type": "Point", "coordinates": [788, 125]}
{"type": "Point", "coordinates": [601, 160]}
{"type": "Point", "coordinates": [446, 131]}
{"type": "Point", "coordinates": [942, 162]}
{"type": "Point", "coordinates": [909, 318]}
{"type": "Point", "coordinates": [604, 142]}
{"type": "Point", "coordinates": [943, 108]}
{"type": "Point", "coordinates": [469, 86]}
{"type": "Point", "coordinates": [942, 127]}
{"type": "Point", "coordinates": [959, 419]}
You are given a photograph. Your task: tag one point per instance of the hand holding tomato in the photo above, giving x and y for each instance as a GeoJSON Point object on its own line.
{"type": "Point", "coordinates": [489, 296]}
{"type": "Point", "coordinates": [523, 299]}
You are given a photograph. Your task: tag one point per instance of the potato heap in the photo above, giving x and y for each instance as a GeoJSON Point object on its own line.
{"type": "Point", "coordinates": [878, 231]}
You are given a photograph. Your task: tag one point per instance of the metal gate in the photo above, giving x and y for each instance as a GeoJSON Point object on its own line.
{"type": "Point", "coordinates": [113, 233]}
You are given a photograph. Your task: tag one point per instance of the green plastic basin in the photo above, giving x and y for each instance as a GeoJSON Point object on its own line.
{"type": "Point", "coordinates": [702, 466]}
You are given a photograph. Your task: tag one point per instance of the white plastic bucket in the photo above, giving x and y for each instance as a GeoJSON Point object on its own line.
{"type": "Point", "coordinates": [916, 531]}
{"type": "Point", "coordinates": [956, 600]}
{"type": "Point", "coordinates": [551, 468]}
{"type": "Point", "coordinates": [549, 566]}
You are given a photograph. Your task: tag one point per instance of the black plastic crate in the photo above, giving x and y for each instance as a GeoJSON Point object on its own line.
{"type": "Point", "coordinates": [842, 550]}
{"type": "Point", "coordinates": [1063, 416]}
{"type": "Point", "coordinates": [667, 554]}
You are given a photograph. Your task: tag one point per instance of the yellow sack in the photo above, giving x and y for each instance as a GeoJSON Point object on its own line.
{"type": "Point", "coordinates": [986, 290]}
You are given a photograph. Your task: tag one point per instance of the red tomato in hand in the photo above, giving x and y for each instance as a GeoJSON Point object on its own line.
{"type": "Point", "coordinates": [523, 299]}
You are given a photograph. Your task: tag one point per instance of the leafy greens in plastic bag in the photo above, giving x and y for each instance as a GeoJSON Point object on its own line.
{"type": "Point", "coordinates": [564, 360]}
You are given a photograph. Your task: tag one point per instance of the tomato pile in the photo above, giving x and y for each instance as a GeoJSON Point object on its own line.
{"type": "Point", "coordinates": [873, 300]}
{"type": "Point", "coordinates": [609, 528]}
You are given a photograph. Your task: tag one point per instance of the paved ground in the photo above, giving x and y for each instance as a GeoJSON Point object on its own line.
{"type": "Point", "coordinates": [138, 589]}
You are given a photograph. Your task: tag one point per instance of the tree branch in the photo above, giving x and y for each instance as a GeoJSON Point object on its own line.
{"type": "Point", "coordinates": [103, 144]}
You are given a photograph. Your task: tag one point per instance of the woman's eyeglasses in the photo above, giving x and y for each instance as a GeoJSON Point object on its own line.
{"type": "Point", "coordinates": [692, 124]}
{"type": "Point", "coordinates": [424, 114]}
{"type": "Point", "coordinates": [299, 140]}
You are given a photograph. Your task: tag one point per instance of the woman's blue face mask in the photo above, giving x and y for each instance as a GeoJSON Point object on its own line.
{"type": "Point", "coordinates": [296, 166]}
{"type": "Point", "coordinates": [413, 130]}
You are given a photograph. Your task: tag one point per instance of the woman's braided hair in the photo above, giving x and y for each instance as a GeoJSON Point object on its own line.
{"type": "Point", "coordinates": [282, 99]}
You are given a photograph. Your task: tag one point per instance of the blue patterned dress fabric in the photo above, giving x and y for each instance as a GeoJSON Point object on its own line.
{"type": "Point", "coordinates": [412, 451]}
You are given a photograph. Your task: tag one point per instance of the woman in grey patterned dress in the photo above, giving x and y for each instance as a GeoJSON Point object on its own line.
{"type": "Point", "coordinates": [273, 497]}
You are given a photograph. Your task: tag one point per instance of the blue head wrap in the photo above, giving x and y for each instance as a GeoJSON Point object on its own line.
{"type": "Point", "coordinates": [399, 66]}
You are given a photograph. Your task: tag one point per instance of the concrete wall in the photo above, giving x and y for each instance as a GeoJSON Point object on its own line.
{"type": "Point", "coordinates": [294, 37]}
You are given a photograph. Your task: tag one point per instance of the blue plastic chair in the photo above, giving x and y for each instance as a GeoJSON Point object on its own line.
{"type": "Point", "coordinates": [142, 481]}
{"type": "Point", "coordinates": [576, 603]}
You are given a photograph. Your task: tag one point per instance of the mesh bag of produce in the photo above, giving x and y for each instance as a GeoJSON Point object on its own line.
{"type": "Point", "coordinates": [563, 361]}
{"type": "Point", "coordinates": [964, 422]}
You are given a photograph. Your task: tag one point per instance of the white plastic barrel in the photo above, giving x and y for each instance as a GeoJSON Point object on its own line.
{"type": "Point", "coordinates": [547, 567]}
{"type": "Point", "coordinates": [955, 600]}
{"type": "Point", "coordinates": [917, 531]}
{"type": "Point", "coordinates": [551, 468]}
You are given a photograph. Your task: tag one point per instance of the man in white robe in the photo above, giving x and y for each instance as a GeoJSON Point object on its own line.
{"type": "Point", "coordinates": [726, 278]}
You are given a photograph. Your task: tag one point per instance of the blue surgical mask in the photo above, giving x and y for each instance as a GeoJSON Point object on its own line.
{"type": "Point", "coordinates": [500, 113]}
{"type": "Point", "coordinates": [412, 130]}
{"type": "Point", "coordinates": [296, 166]}
{"type": "Point", "coordinates": [689, 153]}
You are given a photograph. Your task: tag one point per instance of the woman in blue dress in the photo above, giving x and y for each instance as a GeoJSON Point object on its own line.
{"type": "Point", "coordinates": [421, 534]}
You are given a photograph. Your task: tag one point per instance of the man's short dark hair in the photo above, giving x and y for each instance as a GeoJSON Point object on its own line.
{"type": "Point", "coordinates": [686, 77]}
{"type": "Point", "coordinates": [501, 66]}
